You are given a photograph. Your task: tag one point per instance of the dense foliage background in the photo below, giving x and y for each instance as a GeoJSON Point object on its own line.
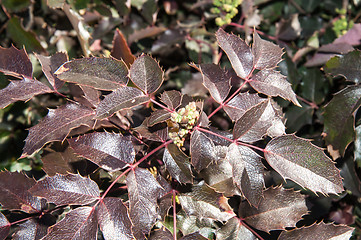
{"type": "Point", "coordinates": [313, 35]}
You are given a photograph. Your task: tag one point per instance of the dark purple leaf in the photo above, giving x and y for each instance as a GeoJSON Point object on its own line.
{"type": "Point", "coordinates": [193, 236]}
{"type": "Point", "coordinates": [234, 229]}
{"type": "Point", "coordinates": [113, 219]}
{"type": "Point", "coordinates": [288, 29]}
{"type": "Point", "coordinates": [110, 151]}
{"type": "Point", "coordinates": [146, 73]}
{"type": "Point", "coordinates": [273, 83]}
{"type": "Point", "coordinates": [240, 104]}
{"type": "Point", "coordinates": [126, 97]}
{"type": "Point", "coordinates": [30, 230]}
{"type": "Point", "coordinates": [172, 99]}
{"type": "Point", "coordinates": [149, 31]}
{"type": "Point", "coordinates": [143, 190]}
{"type": "Point", "coordinates": [4, 227]}
{"type": "Point", "coordinates": [339, 118]}
{"type": "Point", "coordinates": [161, 234]}
{"type": "Point", "coordinates": [67, 189]}
{"type": "Point", "coordinates": [158, 132]}
{"type": "Point", "coordinates": [238, 52]}
{"type": "Point", "coordinates": [216, 80]}
{"type": "Point", "coordinates": [91, 95]}
{"type": "Point", "coordinates": [158, 116]}
{"type": "Point", "coordinates": [56, 126]}
{"type": "Point", "coordinates": [205, 202]}
{"type": "Point", "coordinates": [177, 164]}
{"type": "Point", "coordinates": [98, 73]}
{"type": "Point", "coordinates": [318, 231]}
{"type": "Point", "coordinates": [50, 65]}
{"type": "Point", "coordinates": [352, 37]}
{"type": "Point", "coordinates": [247, 169]}
{"type": "Point", "coordinates": [326, 52]}
{"type": "Point", "coordinates": [202, 150]}
{"type": "Point", "coordinates": [304, 163]}
{"type": "Point", "coordinates": [15, 62]}
{"type": "Point", "coordinates": [14, 193]}
{"type": "Point", "coordinates": [59, 162]}
{"type": "Point", "coordinates": [121, 49]}
{"type": "Point", "coordinates": [21, 90]}
{"type": "Point", "coordinates": [266, 54]}
{"type": "Point", "coordinates": [280, 208]}
{"type": "Point", "coordinates": [80, 224]}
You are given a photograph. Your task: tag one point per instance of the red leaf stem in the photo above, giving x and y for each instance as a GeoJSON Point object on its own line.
{"type": "Point", "coordinates": [251, 229]}
{"type": "Point", "coordinates": [161, 105]}
{"type": "Point", "coordinates": [174, 216]}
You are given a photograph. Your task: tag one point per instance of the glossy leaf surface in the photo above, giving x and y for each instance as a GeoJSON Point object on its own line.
{"type": "Point", "coordinates": [15, 62]}
{"type": "Point", "coordinates": [121, 49]}
{"type": "Point", "coordinates": [234, 230]}
{"type": "Point", "coordinates": [177, 164]}
{"type": "Point", "coordinates": [158, 116]}
{"type": "Point", "coordinates": [242, 102]}
{"type": "Point", "coordinates": [202, 150]}
{"type": "Point", "coordinates": [4, 226]}
{"type": "Point", "coordinates": [32, 229]}
{"type": "Point", "coordinates": [172, 99]}
{"type": "Point", "coordinates": [59, 162]}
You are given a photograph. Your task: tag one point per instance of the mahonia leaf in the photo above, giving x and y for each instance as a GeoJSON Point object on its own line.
{"type": "Point", "coordinates": [161, 234]}
{"type": "Point", "coordinates": [266, 54]}
{"type": "Point", "coordinates": [50, 65]}
{"type": "Point", "coordinates": [79, 223]}
{"type": "Point", "coordinates": [193, 236]}
{"type": "Point", "coordinates": [172, 99]}
{"type": "Point", "coordinates": [273, 83]}
{"type": "Point", "coordinates": [304, 163]}
{"type": "Point", "coordinates": [67, 189]}
{"type": "Point", "coordinates": [4, 227]}
{"type": "Point", "coordinates": [14, 193]}
{"type": "Point", "coordinates": [21, 90]}
{"type": "Point", "coordinates": [146, 74]}
{"type": "Point", "coordinates": [31, 230]}
{"type": "Point", "coordinates": [158, 132]}
{"type": "Point", "coordinates": [347, 65]}
{"type": "Point", "coordinates": [280, 208]}
{"type": "Point", "coordinates": [188, 224]}
{"type": "Point", "coordinates": [15, 62]}
{"type": "Point", "coordinates": [234, 229]}
{"type": "Point", "coordinates": [98, 73]}
{"type": "Point", "coordinates": [238, 52]}
{"type": "Point", "coordinates": [202, 150]}
{"type": "Point", "coordinates": [247, 169]}
{"type": "Point", "coordinates": [113, 219]}
{"type": "Point", "coordinates": [126, 97]}
{"type": "Point", "coordinates": [177, 164]}
{"type": "Point", "coordinates": [242, 102]}
{"type": "Point", "coordinates": [56, 126]}
{"type": "Point", "coordinates": [121, 49]}
{"type": "Point", "coordinates": [158, 116]}
{"type": "Point", "coordinates": [205, 202]}
{"type": "Point", "coordinates": [110, 151]}
{"type": "Point", "coordinates": [216, 80]}
{"type": "Point", "coordinates": [143, 191]}
{"type": "Point", "coordinates": [339, 119]}
{"type": "Point", "coordinates": [318, 231]}
{"type": "Point", "coordinates": [59, 162]}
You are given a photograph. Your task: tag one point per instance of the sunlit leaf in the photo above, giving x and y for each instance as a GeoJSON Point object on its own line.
{"type": "Point", "coordinates": [189, 224]}
{"type": "Point", "coordinates": [242, 102]}
{"type": "Point", "coordinates": [172, 99]}
{"type": "Point", "coordinates": [193, 236]}
{"type": "Point", "coordinates": [32, 229]}
{"type": "Point", "coordinates": [15, 62]}
{"type": "Point", "coordinates": [98, 73]}
{"type": "Point", "coordinates": [177, 164]}
{"type": "Point", "coordinates": [158, 132]}
{"type": "Point", "coordinates": [59, 162]}
{"type": "Point", "coordinates": [67, 189]}
{"type": "Point", "coordinates": [202, 150]}
{"type": "Point", "coordinates": [234, 229]}
{"type": "Point", "coordinates": [304, 163]}
{"type": "Point", "coordinates": [161, 234]}
{"type": "Point", "coordinates": [4, 227]}
{"type": "Point", "coordinates": [158, 116]}
{"type": "Point", "coordinates": [121, 49]}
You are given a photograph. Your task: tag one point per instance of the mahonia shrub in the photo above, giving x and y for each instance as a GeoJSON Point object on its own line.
{"type": "Point", "coordinates": [172, 175]}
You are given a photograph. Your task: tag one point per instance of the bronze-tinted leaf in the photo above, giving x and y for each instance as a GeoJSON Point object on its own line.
{"type": "Point", "coordinates": [216, 80]}
{"type": "Point", "coordinates": [247, 169]}
{"type": "Point", "coordinates": [126, 97]}
{"type": "Point", "coordinates": [143, 190]}
{"type": "Point", "coordinates": [266, 54]}
{"type": "Point", "coordinates": [32, 229]}
{"type": "Point", "coordinates": [15, 62]}
{"type": "Point", "coordinates": [113, 219]}
{"type": "Point", "coordinates": [121, 49]}
{"type": "Point", "coordinates": [14, 193]}
{"type": "Point", "coordinates": [280, 208]}
{"type": "Point", "coordinates": [67, 189]}
{"type": "Point", "coordinates": [110, 151]}
{"type": "Point", "coordinates": [234, 229]}
{"type": "Point", "coordinates": [193, 236]}
{"type": "Point", "coordinates": [318, 231]}
{"type": "Point", "coordinates": [80, 223]}
{"type": "Point", "coordinates": [202, 150]}
{"type": "Point", "coordinates": [238, 105]}
{"type": "Point", "coordinates": [177, 164]}
{"type": "Point", "coordinates": [273, 83]}
{"type": "Point", "coordinates": [158, 132]}
{"type": "Point", "coordinates": [146, 73]}
{"type": "Point", "coordinates": [21, 90]}
{"type": "Point", "coordinates": [161, 234]}
{"type": "Point", "coordinates": [189, 224]}
{"type": "Point", "coordinates": [238, 52]}
{"type": "Point", "coordinates": [98, 73]}
{"type": "Point", "coordinates": [172, 99]}
{"type": "Point", "coordinates": [59, 162]}
{"type": "Point", "coordinates": [56, 126]}
{"type": "Point", "coordinates": [4, 227]}
{"type": "Point", "coordinates": [339, 118]}
{"type": "Point", "coordinates": [304, 163]}
{"type": "Point", "coordinates": [50, 65]}
{"type": "Point", "coordinates": [158, 116]}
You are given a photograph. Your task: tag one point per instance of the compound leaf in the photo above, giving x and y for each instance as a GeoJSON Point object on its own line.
{"type": "Point", "coordinates": [177, 164]}
{"type": "Point", "coordinates": [234, 229]}
{"type": "Point", "coordinates": [32, 229]}
{"type": "Point", "coordinates": [280, 208]}
{"type": "Point", "coordinates": [304, 163]}
{"type": "Point", "coordinates": [4, 227]}
{"type": "Point", "coordinates": [98, 73]}
{"type": "Point", "coordinates": [172, 99]}
{"type": "Point", "coordinates": [242, 102]}
{"type": "Point", "coordinates": [67, 189]}
{"type": "Point", "coordinates": [202, 150]}
{"type": "Point", "coordinates": [56, 126]}
{"type": "Point", "coordinates": [110, 151]}
{"type": "Point", "coordinates": [238, 52]}
{"type": "Point", "coordinates": [126, 97]}
{"type": "Point", "coordinates": [113, 219]}
{"type": "Point", "coordinates": [146, 73]}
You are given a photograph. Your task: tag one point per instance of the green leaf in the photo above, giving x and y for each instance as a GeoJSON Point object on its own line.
{"type": "Point", "coordinates": [313, 85]}
{"type": "Point", "coordinates": [357, 152]}
{"type": "Point", "coordinates": [298, 117]}
{"type": "Point", "coordinates": [16, 5]}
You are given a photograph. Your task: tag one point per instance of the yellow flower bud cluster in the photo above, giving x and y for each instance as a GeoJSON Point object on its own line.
{"type": "Point", "coordinates": [226, 9]}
